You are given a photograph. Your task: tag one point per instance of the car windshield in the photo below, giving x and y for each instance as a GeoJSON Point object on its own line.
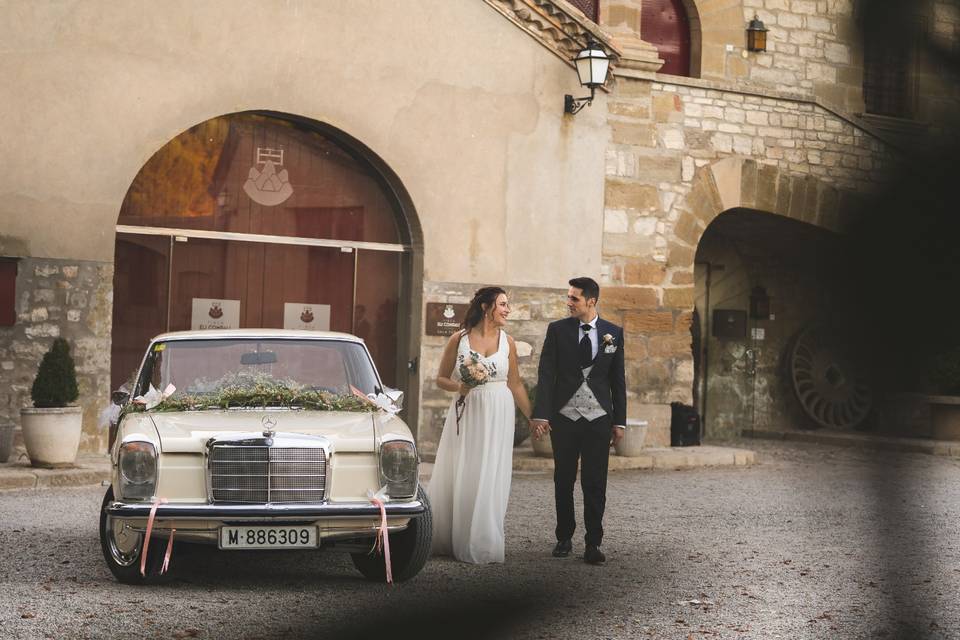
{"type": "Point", "coordinates": [206, 367]}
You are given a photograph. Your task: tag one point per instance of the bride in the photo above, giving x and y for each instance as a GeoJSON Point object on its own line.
{"type": "Point", "coordinates": [471, 477]}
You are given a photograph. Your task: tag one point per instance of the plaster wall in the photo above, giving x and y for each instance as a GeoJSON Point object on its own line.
{"type": "Point", "coordinates": [462, 105]}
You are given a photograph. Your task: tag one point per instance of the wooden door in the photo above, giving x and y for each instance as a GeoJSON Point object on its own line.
{"type": "Point", "coordinates": [664, 24]}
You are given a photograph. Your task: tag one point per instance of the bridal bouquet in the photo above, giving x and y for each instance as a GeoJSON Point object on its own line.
{"type": "Point", "coordinates": [473, 373]}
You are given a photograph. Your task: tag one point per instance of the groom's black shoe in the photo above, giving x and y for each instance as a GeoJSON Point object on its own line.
{"type": "Point", "coordinates": [593, 555]}
{"type": "Point", "coordinates": [563, 549]}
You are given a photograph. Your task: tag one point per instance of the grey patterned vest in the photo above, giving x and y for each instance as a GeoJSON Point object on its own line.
{"type": "Point", "coordinates": [583, 403]}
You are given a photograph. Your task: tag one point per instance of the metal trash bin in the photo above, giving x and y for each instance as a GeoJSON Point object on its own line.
{"type": "Point", "coordinates": [634, 436]}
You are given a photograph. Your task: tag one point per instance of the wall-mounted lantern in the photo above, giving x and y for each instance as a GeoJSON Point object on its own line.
{"type": "Point", "coordinates": [592, 65]}
{"type": "Point", "coordinates": [759, 303]}
{"type": "Point", "coordinates": [756, 35]}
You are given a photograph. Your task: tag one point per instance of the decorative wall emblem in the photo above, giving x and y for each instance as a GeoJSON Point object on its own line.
{"type": "Point", "coordinates": [266, 185]}
{"type": "Point", "coordinates": [448, 312]}
{"type": "Point", "coordinates": [307, 316]}
{"type": "Point", "coordinates": [215, 310]}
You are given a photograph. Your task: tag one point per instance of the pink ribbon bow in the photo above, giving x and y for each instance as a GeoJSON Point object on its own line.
{"type": "Point", "coordinates": [146, 541]}
{"type": "Point", "coordinates": [382, 542]}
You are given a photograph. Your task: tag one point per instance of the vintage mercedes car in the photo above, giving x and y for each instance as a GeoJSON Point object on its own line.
{"type": "Point", "coordinates": [262, 439]}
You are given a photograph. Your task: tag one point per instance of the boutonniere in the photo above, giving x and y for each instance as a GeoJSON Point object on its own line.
{"type": "Point", "coordinates": [608, 346]}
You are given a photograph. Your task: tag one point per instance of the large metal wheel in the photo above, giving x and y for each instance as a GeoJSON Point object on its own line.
{"type": "Point", "coordinates": [828, 383]}
{"type": "Point", "coordinates": [121, 548]}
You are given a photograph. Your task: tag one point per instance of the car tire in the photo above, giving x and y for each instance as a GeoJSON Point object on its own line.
{"type": "Point", "coordinates": [125, 567]}
{"type": "Point", "coordinates": [409, 549]}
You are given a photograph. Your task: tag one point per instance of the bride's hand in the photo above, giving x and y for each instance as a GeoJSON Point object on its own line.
{"type": "Point", "coordinates": [464, 389]}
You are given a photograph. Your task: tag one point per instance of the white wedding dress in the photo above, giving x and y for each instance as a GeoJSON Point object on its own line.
{"type": "Point", "coordinates": [470, 485]}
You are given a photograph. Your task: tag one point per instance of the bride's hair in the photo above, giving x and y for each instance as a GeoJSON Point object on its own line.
{"type": "Point", "coordinates": [483, 296]}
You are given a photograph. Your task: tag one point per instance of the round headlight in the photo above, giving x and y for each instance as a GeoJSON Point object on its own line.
{"type": "Point", "coordinates": [398, 468]}
{"type": "Point", "coordinates": [138, 463]}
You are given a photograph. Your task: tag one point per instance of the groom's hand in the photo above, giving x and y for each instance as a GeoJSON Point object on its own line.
{"type": "Point", "coordinates": [540, 427]}
{"type": "Point", "coordinates": [616, 435]}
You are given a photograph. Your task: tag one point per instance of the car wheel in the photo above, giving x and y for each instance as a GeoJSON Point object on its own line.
{"type": "Point", "coordinates": [122, 548]}
{"type": "Point", "coordinates": [409, 549]}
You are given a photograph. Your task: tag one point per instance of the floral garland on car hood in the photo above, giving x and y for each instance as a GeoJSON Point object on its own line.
{"type": "Point", "coordinates": [254, 391]}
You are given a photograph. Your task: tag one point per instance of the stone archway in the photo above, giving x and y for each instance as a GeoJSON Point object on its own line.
{"type": "Point", "coordinates": [754, 228]}
{"type": "Point", "coordinates": [659, 292]}
{"type": "Point", "coordinates": [196, 224]}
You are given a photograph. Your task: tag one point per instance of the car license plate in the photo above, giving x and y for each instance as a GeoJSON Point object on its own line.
{"type": "Point", "coordinates": [268, 537]}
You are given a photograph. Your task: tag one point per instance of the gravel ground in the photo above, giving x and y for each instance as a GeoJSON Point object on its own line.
{"type": "Point", "coordinates": [814, 542]}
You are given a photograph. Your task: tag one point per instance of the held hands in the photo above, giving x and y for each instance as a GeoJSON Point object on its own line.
{"type": "Point", "coordinates": [539, 427]}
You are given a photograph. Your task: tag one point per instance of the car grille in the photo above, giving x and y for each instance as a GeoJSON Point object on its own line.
{"type": "Point", "coordinates": [259, 474]}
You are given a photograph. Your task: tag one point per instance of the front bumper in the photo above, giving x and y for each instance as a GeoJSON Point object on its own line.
{"type": "Point", "coordinates": [264, 512]}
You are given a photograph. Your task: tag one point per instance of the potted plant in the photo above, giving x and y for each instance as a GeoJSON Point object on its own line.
{"type": "Point", "coordinates": [52, 427]}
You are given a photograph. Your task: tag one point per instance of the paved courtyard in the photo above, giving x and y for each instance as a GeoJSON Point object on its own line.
{"type": "Point", "coordinates": [812, 542]}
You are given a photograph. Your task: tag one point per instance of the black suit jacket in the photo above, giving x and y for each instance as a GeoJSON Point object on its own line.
{"type": "Point", "coordinates": [560, 375]}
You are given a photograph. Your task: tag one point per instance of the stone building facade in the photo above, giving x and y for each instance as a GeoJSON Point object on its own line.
{"type": "Point", "coordinates": [681, 194]}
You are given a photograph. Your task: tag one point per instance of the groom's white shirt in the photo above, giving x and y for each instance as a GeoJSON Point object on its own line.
{"type": "Point", "coordinates": [594, 338]}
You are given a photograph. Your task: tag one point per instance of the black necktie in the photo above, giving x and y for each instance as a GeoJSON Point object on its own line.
{"type": "Point", "coordinates": [586, 349]}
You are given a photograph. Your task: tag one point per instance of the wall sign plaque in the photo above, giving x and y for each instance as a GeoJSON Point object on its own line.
{"type": "Point", "coordinates": [303, 315]}
{"type": "Point", "coordinates": [208, 313]}
{"type": "Point", "coordinates": [443, 319]}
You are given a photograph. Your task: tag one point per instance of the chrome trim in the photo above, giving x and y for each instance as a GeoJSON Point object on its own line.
{"type": "Point", "coordinates": [265, 512]}
{"type": "Point", "coordinates": [258, 441]}
{"type": "Point", "coordinates": [258, 237]}
{"type": "Point", "coordinates": [212, 536]}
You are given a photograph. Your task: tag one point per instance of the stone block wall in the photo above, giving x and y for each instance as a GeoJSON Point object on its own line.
{"type": "Point", "coordinates": [813, 48]}
{"type": "Point", "coordinates": [799, 160]}
{"type": "Point", "coordinates": [60, 298]}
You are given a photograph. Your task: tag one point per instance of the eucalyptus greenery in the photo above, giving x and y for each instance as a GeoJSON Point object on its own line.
{"type": "Point", "coordinates": [257, 390]}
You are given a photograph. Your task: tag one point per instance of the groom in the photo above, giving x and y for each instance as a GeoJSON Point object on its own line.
{"type": "Point", "coordinates": [582, 404]}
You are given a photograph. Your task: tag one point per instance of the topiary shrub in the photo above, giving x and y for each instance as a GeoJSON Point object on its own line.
{"type": "Point", "coordinates": [56, 381]}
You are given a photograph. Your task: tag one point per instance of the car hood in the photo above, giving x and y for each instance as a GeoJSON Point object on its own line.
{"type": "Point", "coordinates": [188, 431]}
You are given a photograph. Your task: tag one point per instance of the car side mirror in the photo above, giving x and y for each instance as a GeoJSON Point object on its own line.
{"type": "Point", "coordinates": [119, 397]}
{"type": "Point", "coordinates": [396, 397]}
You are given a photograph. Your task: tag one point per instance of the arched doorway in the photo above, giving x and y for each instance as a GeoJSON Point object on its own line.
{"type": "Point", "coordinates": [666, 25]}
{"type": "Point", "coordinates": [761, 280]}
{"type": "Point", "coordinates": [768, 266]}
{"type": "Point", "coordinates": [259, 219]}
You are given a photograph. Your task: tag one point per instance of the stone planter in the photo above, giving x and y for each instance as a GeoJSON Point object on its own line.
{"type": "Point", "coordinates": [944, 417]}
{"type": "Point", "coordinates": [634, 436]}
{"type": "Point", "coordinates": [6, 442]}
{"type": "Point", "coordinates": [543, 447]}
{"type": "Point", "coordinates": [51, 436]}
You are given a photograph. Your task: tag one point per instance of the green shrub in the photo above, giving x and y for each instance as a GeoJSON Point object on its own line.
{"type": "Point", "coordinates": [56, 381]}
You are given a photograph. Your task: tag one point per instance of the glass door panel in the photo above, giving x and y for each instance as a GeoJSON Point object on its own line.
{"type": "Point", "coordinates": [375, 314]}
{"type": "Point", "coordinates": [140, 293]}
{"type": "Point", "coordinates": [315, 280]}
